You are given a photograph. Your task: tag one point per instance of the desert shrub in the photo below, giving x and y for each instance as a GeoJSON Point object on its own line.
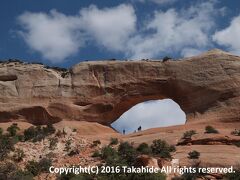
{"type": "Point", "coordinates": [15, 139]}
{"type": "Point", "coordinates": [20, 137]}
{"type": "Point", "coordinates": [6, 170]}
{"type": "Point", "coordinates": [193, 155]}
{"type": "Point", "coordinates": [143, 148]}
{"type": "Point", "coordinates": [166, 58]}
{"type": "Point", "coordinates": [96, 143]}
{"type": "Point", "coordinates": [64, 74]}
{"type": "Point", "coordinates": [210, 129]}
{"type": "Point", "coordinates": [38, 133]}
{"type": "Point", "coordinates": [127, 152]}
{"type": "Point", "coordinates": [189, 134]}
{"type": "Point", "coordinates": [38, 137]}
{"type": "Point", "coordinates": [113, 141]}
{"type": "Point", "coordinates": [48, 130]}
{"type": "Point", "coordinates": [6, 145]}
{"type": "Point", "coordinates": [36, 168]}
{"type": "Point", "coordinates": [29, 133]}
{"type": "Point", "coordinates": [50, 155]}
{"type": "Point", "coordinates": [96, 154]}
{"type": "Point", "coordinates": [22, 175]}
{"type": "Point", "coordinates": [187, 176]}
{"type": "Point", "coordinates": [12, 130]}
{"type": "Point", "coordinates": [59, 133]}
{"type": "Point", "coordinates": [108, 153]}
{"type": "Point", "coordinates": [162, 148]}
{"type": "Point", "coordinates": [1, 131]}
{"type": "Point", "coordinates": [237, 144]}
{"type": "Point", "coordinates": [44, 164]}
{"type": "Point", "coordinates": [74, 130]}
{"type": "Point", "coordinates": [233, 176]}
{"type": "Point", "coordinates": [53, 143]}
{"type": "Point", "coordinates": [72, 176]}
{"type": "Point", "coordinates": [18, 155]}
{"type": "Point", "coordinates": [146, 176]}
{"type": "Point", "coordinates": [133, 176]}
{"type": "Point", "coordinates": [73, 152]}
{"type": "Point", "coordinates": [56, 68]}
{"type": "Point", "coordinates": [9, 171]}
{"type": "Point", "coordinates": [236, 132]}
{"type": "Point", "coordinates": [33, 167]}
{"type": "Point", "coordinates": [68, 145]}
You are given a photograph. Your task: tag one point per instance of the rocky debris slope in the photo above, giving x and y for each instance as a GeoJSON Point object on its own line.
{"type": "Point", "coordinates": [206, 87]}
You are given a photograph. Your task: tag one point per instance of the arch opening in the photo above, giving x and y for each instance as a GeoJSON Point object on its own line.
{"type": "Point", "coordinates": [150, 114]}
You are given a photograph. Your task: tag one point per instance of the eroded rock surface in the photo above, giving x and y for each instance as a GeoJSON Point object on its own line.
{"type": "Point", "coordinates": [205, 86]}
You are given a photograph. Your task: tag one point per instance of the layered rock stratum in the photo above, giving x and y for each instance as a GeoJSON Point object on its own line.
{"type": "Point", "coordinates": [205, 86]}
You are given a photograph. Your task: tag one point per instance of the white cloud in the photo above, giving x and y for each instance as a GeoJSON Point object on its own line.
{"type": "Point", "coordinates": [157, 113]}
{"type": "Point", "coordinates": [173, 31]}
{"type": "Point", "coordinates": [110, 27]}
{"type": "Point", "coordinates": [53, 35]}
{"type": "Point", "coordinates": [230, 36]}
{"type": "Point", "coordinates": [189, 52]}
{"type": "Point", "coordinates": [161, 2]}
{"type": "Point", "coordinates": [57, 36]}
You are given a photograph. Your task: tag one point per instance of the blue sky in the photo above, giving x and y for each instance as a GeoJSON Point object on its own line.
{"type": "Point", "coordinates": [150, 114]}
{"type": "Point", "coordinates": [65, 32]}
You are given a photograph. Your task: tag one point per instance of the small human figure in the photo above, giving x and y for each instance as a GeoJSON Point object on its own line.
{"type": "Point", "coordinates": [124, 131]}
{"type": "Point", "coordinates": [139, 128]}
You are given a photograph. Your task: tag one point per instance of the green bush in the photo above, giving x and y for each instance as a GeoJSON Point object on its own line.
{"type": "Point", "coordinates": [53, 143]}
{"type": "Point", "coordinates": [96, 143]}
{"type": "Point", "coordinates": [210, 129]}
{"type": "Point", "coordinates": [236, 132]}
{"type": "Point", "coordinates": [127, 152]}
{"type": "Point", "coordinates": [166, 58]}
{"type": "Point", "coordinates": [73, 152]}
{"type": "Point", "coordinates": [22, 175]}
{"type": "Point", "coordinates": [36, 168]}
{"type": "Point", "coordinates": [162, 148]}
{"type": "Point", "coordinates": [233, 176]}
{"type": "Point", "coordinates": [143, 148]}
{"type": "Point", "coordinates": [193, 155]}
{"type": "Point", "coordinates": [33, 168]}
{"type": "Point", "coordinates": [189, 134]}
{"type": "Point", "coordinates": [48, 130]}
{"type": "Point", "coordinates": [237, 144]}
{"type": "Point", "coordinates": [68, 145]}
{"type": "Point", "coordinates": [110, 155]}
{"type": "Point", "coordinates": [38, 133]}
{"type": "Point", "coordinates": [45, 164]}
{"type": "Point", "coordinates": [1, 131]}
{"type": "Point", "coordinates": [113, 141]}
{"type": "Point", "coordinates": [6, 145]}
{"type": "Point", "coordinates": [12, 130]}
{"type": "Point", "coordinates": [29, 133]}
{"type": "Point", "coordinates": [96, 154]}
{"type": "Point", "coordinates": [71, 176]}
{"type": "Point", "coordinates": [111, 176]}
{"type": "Point", "coordinates": [19, 155]}
{"type": "Point", "coordinates": [9, 171]}
{"type": "Point", "coordinates": [59, 133]}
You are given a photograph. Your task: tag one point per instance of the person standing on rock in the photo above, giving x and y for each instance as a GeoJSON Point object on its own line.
{"type": "Point", "coordinates": [124, 131]}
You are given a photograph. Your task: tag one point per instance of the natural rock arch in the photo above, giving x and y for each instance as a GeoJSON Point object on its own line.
{"type": "Point", "coordinates": [205, 86]}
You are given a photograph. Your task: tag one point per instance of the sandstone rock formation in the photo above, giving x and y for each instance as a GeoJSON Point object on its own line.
{"type": "Point", "coordinates": [205, 86]}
